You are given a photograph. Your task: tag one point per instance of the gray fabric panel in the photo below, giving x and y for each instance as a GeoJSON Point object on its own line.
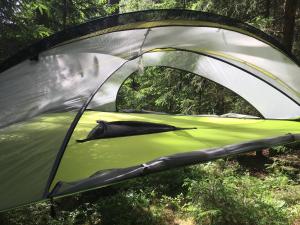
{"type": "Point", "coordinates": [36, 97]}
{"type": "Point", "coordinates": [54, 83]}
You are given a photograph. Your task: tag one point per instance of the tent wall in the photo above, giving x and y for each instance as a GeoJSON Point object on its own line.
{"type": "Point", "coordinates": [39, 102]}
{"type": "Point", "coordinates": [252, 56]}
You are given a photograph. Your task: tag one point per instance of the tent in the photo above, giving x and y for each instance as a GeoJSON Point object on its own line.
{"type": "Point", "coordinates": [53, 92]}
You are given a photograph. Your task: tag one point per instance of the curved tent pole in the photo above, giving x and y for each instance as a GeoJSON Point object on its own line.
{"type": "Point", "coordinates": [69, 133]}
{"type": "Point", "coordinates": [75, 122]}
{"type": "Point", "coordinates": [142, 16]}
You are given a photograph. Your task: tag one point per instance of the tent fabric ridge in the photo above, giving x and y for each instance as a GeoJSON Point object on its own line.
{"type": "Point", "coordinates": [140, 62]}
{"type": "Point", "coordinates": [149, 16]}
{"type": "Point", "coordinates": [188, 25]}
{"type": "Point", "coordinates": [228, 28]}
{"type": "Point", "coordinates": [226, 115]}
{"type": "Point", "coordinates": [169, 162]}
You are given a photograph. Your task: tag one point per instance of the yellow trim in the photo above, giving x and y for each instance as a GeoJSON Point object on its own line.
{"type": "Point", "coordinates": [261, 70]}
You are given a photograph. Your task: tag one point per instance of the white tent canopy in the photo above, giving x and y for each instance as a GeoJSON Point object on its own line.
{"type": "Point", "coordinates": [249, 66]}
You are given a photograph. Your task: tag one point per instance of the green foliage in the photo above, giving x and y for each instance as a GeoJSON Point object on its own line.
{"type": "Point", "coordinates": [243, 10]}
{"type": "Point", "coordinates": [262, 23]}
{"type": "Point", "coordinates": [132, 5]}
{"type": "Point", "coordinates": [26, 21]}
{"type": "Point", "coordinates": [225, 197]}
{"type": "Point", "coordinates": [174, 91]}
{"type": "Point", "coordinates": [280, 149]}
{"type": "Point", "coordinates": [215, 193]}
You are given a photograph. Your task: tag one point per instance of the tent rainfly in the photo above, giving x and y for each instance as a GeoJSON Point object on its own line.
{"type": "Point", "coordinates": [47, 88]}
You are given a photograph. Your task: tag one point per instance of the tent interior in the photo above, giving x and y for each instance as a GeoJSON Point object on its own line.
{"type": "Point", "coordinates": [54, 92]}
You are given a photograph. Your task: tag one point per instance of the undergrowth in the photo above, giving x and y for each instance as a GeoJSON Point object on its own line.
{"type": "Point", "coordinates": [220, 192]}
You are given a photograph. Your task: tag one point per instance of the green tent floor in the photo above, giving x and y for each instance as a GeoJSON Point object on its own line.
{"type": "Point", "coordinates": [81, 160]}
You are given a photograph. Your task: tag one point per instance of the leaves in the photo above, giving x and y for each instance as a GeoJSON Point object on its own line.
{"type": "Point", "coordinates": [26, 21]}
{"type": "Point", "coordinates": [40, 6]}
{"type": "Point", "coordinates": [175, 91]}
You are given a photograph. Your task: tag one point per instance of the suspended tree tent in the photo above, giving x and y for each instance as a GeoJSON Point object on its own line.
{"type": "Point", "coordinates": [46, 88]}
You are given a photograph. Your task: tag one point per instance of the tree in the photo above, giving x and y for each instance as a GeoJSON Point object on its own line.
{"type": "Point", "coordinates": [267, 9]}
{"type": "Point", "coordinates": [65, 13]}
{"type": "Point", "coordinates": [290, 7]}
{"type": "Point", "coordinates": [115, 3]}
{"type": "Point", "coordinates": [25, 21]}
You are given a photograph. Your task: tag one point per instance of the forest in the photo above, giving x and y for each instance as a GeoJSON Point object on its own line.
{"type": "Point", "coordinates": [262, 187]}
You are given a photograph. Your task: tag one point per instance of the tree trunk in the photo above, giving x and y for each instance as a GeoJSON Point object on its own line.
{"type": "Point", "coordinates": [113, 2]}
{"type": "Point", "coordinates": [184, 4]}
{"type": "Point", "coordinates": [259, 153]}
{"type": "Point", "coordinates": [290, 7]}
{"type": "Point", "coordinates": [65, 13]}
{"type": "Point", "coordinates": [268, 7]}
